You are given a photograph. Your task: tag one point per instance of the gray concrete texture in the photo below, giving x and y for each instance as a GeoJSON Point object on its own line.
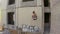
{"type": "Point", "coordinates": [55, 17]}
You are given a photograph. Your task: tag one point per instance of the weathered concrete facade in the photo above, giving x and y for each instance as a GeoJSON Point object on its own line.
{"type": "Point", "coordinates": [23, 13]}
{"type": "Point", "coordinates": [55, 17]}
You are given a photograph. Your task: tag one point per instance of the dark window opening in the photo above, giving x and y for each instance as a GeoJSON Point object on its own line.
{"type": "Point", "coordinates": [46, 3]}
{"type": "Point", "coordinates": [27, 0]}
{"type": "Point", "coordinates": [47, 17]}
{"type": "Point", "coordinates": [11, 2]}
{"type": "Point", "coordinates": [10, 18]}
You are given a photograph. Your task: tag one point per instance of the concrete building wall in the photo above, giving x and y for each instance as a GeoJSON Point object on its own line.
{"type": "Point", "coordinates": [54, 2]}
{"type": "Point", "coordinates": [4, 9]}
{"type": "Point", "coordinates": [55, 17]}
{"type": "Point", "coordinates": [47, 9]}
{"type": "Point", "coordinates": [0, 17]}
{"type": "Point", "coordinates": [3, 6]}
{"type": "Point", "coordinates": [20, 3]}
{"type": "Point", "coordinates": [24, 16]}
{"type": "Point", "coordinates": [4, 18]}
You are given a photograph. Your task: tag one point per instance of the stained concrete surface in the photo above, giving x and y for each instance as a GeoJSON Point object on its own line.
{"type": "Point", "coordinates": [55, 19]}
{"type": "Point", "coordinates": [47, 28]}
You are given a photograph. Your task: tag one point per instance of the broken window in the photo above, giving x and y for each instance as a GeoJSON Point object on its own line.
{"type": "Point", "coordinates": [10, 18]}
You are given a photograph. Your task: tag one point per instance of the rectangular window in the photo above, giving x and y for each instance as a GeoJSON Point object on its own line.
{"type": "Point", "coordinates": [27, 0]}
{"type": "Point", "coordinates": [11, 2]}
{"type": "Point", "coordinates": [10, 18]}
{"type": "Point", "coordinates": [46, 3]}
{"type": "Point", "coordinates": [47, 17]}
